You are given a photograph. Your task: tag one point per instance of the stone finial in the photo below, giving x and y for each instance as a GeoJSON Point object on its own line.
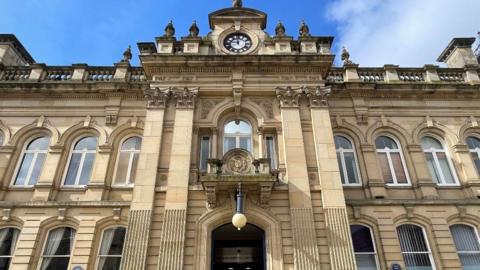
{"type": "Point", "coordinates": [194, 30]}
{"type": "Point", "coordinates": [304, 30]}
{"type": "Point", "coordinates": [127, 54]}
{"type": "Point", "coordinates": [169, 30]}
{"type": "Point", "coordinates": [237, 3]}
{"type": "Point", "coordinates": [280, 29]}
{"type": "Point", "coordinates": [346, 56]}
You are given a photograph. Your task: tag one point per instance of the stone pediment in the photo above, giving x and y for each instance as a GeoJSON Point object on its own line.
{"type": "Point", "coordinates": [237, 14]}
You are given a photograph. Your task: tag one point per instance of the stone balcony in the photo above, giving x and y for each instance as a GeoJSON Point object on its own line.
{"type": "Point", "coordinates": [239, 167]}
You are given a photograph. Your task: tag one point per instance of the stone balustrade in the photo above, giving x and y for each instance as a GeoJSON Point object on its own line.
{"type": "Point", "coordinates": [395, 74]}
{"type": "Point", "coordinates": [76, 72]}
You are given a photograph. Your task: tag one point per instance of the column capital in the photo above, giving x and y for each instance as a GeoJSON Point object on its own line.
{"type": "Point", "coordinates": [185, 98]}
{"type": "Point", "coordinates": [318, 96]}
{"type": "Point", "coordinates": [289, 96]}
{"type": "Point", "coordinates": [157, 97]}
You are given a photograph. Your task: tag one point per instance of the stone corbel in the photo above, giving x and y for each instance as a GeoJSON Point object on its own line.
{"type": "Point", "coordinates": [211, 192]}
{"type": "Point", "coordinates": [61, 213]}
{"type": "Point", "coordinates": [157, 97]}
{"type": "Point", "coordinates": [289, 97]}
{"type": "Point", "coordinates": [185, 98]}
{"type": "Point", "coordinates": [6, 214]}
{"type": "Point", "coordinates": [116, 213]}
{"type": "Point", "coordinates": [265, 194]}
{"type": "Point", "coordinates": [111, 115]}
{"type": "Point", "coordinates": [318, 96]}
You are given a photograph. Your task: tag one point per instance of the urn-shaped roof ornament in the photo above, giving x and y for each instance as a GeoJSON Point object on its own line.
{"type": "Point", "coordinates": [304, 30]}
{"type": "Point", "coordinates": [127, 54]}
{"type": "Point", "coordinates": [169, 30]}
{"type": "Point", "coordinates": [346, 56]}
{"type": "Point", "coordinates": [280, 29]}
{"type": "Point", "coordinates": [194, 30]}
{"type": "Point", "coordinates": [237, 4]}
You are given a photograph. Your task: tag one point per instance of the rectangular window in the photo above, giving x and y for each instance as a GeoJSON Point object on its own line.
{"type": "Point", "coordinates": [204, 153]}
{"type": "Point", "coordinates": [271, 152]}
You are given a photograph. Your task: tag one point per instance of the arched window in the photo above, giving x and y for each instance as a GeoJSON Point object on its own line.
{"type": "Point", "coordinates": [438, 163]}
{"type": "Point", "coordinates": [474, 146]}
{"type": "Point", "coordinates": [415, 249]}
{"type": "Point", "coordinates": [467, 245]}
{"type": "Point", "coordinates": [237, 134]}
{"type": "Point", "coordinates": [31, 163]}
{"type": "Point", "coordinates": [127, 161]}
{"type": "Point", "coordinates": [81, 162]}
{"type": "Point", "coordinates": [347, 161]}
{"type": "Point", "coordinates": [8, 241]}
{"type": "Point", "coordinates": [58, 249]}
{"type": "Point", "coordinates": [111, 249]}
{"type": "Point", "coordinates": [391, 160]}
{"type": "Point", "coordinates": [364, 247]}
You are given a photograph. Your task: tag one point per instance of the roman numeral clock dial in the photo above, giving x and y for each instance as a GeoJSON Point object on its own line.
{"type": "Point", "coordinates": [237, 43]}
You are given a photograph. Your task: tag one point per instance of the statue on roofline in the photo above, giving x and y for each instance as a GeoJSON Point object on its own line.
{"type": "Point", "coordinates": [237, 3]}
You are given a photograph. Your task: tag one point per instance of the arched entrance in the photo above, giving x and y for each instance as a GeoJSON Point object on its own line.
{"type": "Point", "coordinates": [238, 250]}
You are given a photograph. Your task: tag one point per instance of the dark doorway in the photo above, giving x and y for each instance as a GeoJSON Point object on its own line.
{"type": "Point", "coordinates": [238, 250]}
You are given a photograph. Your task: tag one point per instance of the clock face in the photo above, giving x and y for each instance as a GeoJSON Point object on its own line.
{"type": "Point", "coordinates": [237, 43]}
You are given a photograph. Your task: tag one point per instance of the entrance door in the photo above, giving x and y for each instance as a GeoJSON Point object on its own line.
{"type": "Point", "coordinates": [238, 250]}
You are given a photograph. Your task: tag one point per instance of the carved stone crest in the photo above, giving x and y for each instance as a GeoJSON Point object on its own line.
{"type": "Point", "coordinates": [238, 161]}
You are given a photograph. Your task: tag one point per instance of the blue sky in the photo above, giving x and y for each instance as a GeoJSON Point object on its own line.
{"type": "Point", "coordinates": [407, 32]}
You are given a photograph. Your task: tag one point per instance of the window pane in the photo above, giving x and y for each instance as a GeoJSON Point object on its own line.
{"type": "Point", "coordinates": [245, 143]}
{"type": "Point", "coordinates": [87, 143]}
{"type": "Point", "coordinates": [112, 242]}
{"type": "Point", "coordinates": [465, 238]}
{"type": "Point", "coordinates": [342, 142]}
{"type": "Point", "coordinates": [204, 153]}
{"type": "Point", "coordinates": [398, 167]}
{"type": "Point", "coordinates": [8, 241]}
{"type": "Point", "coordinates": [417, 261]}
{"type": "Point", "coordinates": [23, 171]}
{"type": "Point", "coordinates": [73, 169]}
{"type": "Point", "coordinates": [55, 263]}
{"type": "Point", "coordinates": [473, 143]}
{"type": "Point", "coordinates": [362, 239]}
{"type": "Point", "coordinates": [59, 242]}
{"type": "Point", "coordinates": [39, 144]}
{"type": "Point", "coordinates": [86, 169]}
{"type": "Point", "coordinates": [476, 160]}
{"type": "Point", "coordinates": [122, 168]}
{"type": "Point", "coordinates": [414, 247]}
{"type": "Point", "coordinates": [445, 167]}
{"type": "Point", "coordinates": [387, 174]}
{"type": "Point", "coordinates": [37, 169]}
{"type": "Point", "coordinates": [241, 127]}
{"type": "Point", "coordinates": [340, 166]}
{"type": "Point", "coordinates": [383, 142]}
{"type": "Point", "coordinates": [133, 143]}
{"type": "Point", "coordinates": [432, 168]}
{"type": "Point", "coordinates": [230, 143]}
{"type": "Point", "coordinates": [133, 173]}
{"type": "Point", "coordinates": [271, 153]}
{"type": "Point", "coordinates": [366, 261]}
{"type": "Point", "coordinates": [5, 263]}
{"type": "Point", "coordinates": [109, 263]}
{"type": "Point", "coordinates": [429, 143]}
{"type": "Point", "coordinates": [351, 168]}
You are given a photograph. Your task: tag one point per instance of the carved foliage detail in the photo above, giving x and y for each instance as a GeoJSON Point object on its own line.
{"type": "Point", "coordinates": [318, 96]}
{"type": "Point", "coordinates": [289, 96]}
{"type": "Point", "coordinates": [157, 98]}
{"type": "Point", "coordinates": [185, 97]}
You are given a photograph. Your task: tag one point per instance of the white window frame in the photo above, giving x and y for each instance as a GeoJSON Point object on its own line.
{"type": "Point", "coordinates": [474, 151]}
{"type": "Point", "coordinates": [11, 256]}
{"type": "Point", "coordinates": [340, 151]}
{"type": "Point", "coordinates": [40, 261]}
{"type": "Point", "coordinates": [201, 150]}
{"type": "Point", "coordinates": [434, 152]}
{"type": "Point", "coordinates": [388, 152]}
{"type": "Point", "coordinates": [132, 152]}
{"type": "Point", "coordinates": [237, 136]}
{"type": "Point", "coordinates": [475, 230]}
{"type": "Point", "coordinates": [32, 164]}
{"type": "Point", "coordinates": [372, 236]}
{"type": "Point", "coordinates": [274, 154]}
{"type": "Point", "coordinates": [427, 243]}
{"type": "Point", "coordinates": [97, 259]}
{"type": "Point", "coordinates": [82, 161]}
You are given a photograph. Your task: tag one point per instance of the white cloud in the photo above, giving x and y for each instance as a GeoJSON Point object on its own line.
{"type": "Point", "coordinates": [402, 32]}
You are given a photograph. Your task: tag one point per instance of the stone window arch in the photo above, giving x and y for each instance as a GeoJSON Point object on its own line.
{"type": "Point", "coordinates": [237, 134]}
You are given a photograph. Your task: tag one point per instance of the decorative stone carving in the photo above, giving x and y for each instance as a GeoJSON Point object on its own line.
{"type": "Point", "coordinates": [127, 55]}
{"type": "Point", "coordinates": [346, 57]}
{"type": "Point", "coordinates": [194, 30]}
{"type": "Point", "coordinates": [280, 29]}
{"type": "Point", "coordinates": [238, 161]}
{"type": "Point", "coordinates": [169, 30]}
{"type": "Point", "coordinates": [304, 30]}
{"type": "Point", "coordinates": [185, 97]}
{"type": "Point", "coordinates": [211, 196]}
{"type": "Point", "coordinates": [207, 106]}
{"type": "Point", "coordinates": [318, 96]}
{"type": "Point", "coordinates": [265, 194]}
{"type": "Point", "coordinates": [157, 98]}
{"type": "Point", "coordinates": [267, 106]}
{"type": "Point", "coordinates": [289, 96]}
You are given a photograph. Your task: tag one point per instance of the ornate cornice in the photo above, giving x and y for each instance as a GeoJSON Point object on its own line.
{"type": "Point", "coordinates": [289, 96]}
{"type": "Point", "coordinates": [185, 98]}
{"type": "Point", "coordinates": [318, 96]}
{"type": "Point", "coordinates": [157, 98]}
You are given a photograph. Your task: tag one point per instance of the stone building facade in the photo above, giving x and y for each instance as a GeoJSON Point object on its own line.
{"type": "Point", "coordinates": [345, 167]}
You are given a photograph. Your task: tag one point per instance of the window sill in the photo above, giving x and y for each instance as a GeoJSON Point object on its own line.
{"type": "Point", "coordinates": [398, 186]}
{"type": "Point", "coordinates": [123, 187]}
{"type": "Point", "coordinates": [456, 186]}
{"type": "Point", "coordinates": [73, 188]}
{"type": "Point", "coordinates": [21, 188]}
{"type": "Point", "coordinates": [353, 186]}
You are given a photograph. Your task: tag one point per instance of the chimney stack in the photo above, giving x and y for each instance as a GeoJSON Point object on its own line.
{"type": "Point", "coordinates": [459, 53]}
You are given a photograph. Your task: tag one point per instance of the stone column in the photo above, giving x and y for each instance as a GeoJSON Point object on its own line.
{"type": "Point", "coordinates": [214, 153]}
{"type": "Point", "coordinates": [306, 253]}
{"type": "Point", "coordinates": [136, 242]}
{"type": "Point", "coordinates": [172, 237]}
{"type": "Point", "coordinates": [333, 200]}
{"type": "Point", "coordinates": [260, 143]}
